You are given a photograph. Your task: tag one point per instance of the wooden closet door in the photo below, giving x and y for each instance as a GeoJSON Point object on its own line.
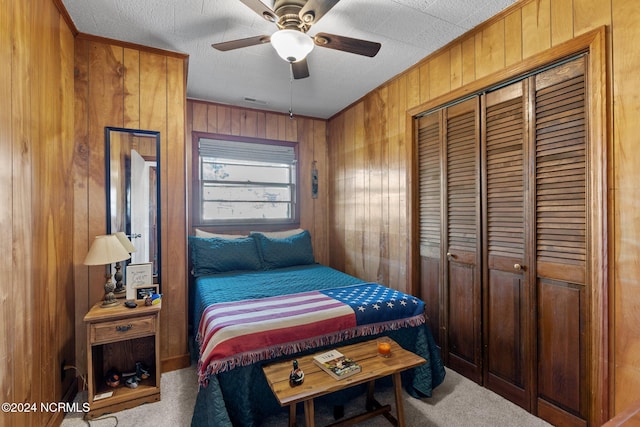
{"type": "Point", "coordinates": [509, 258]}
{"type": "Point", "coordinates": [506, 293]}
{"type": "Point", "coordinates": [430, 210]}
{"type": "Point", "coordinates": [560, 136]}
{"type": "Point", "coordinates": [462, 294]}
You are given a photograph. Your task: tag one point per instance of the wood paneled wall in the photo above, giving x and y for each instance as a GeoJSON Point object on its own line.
{"type": "Point", "coordinates": [371, 165]}
{"type": "Point", "coordinates": [36, 209]}
{"type": "Point", "coordinates": [369, 231]}
{"type": "Point", "coordinates": [309, 133]}
{"type": "Point", "coordinates": [128, 86]}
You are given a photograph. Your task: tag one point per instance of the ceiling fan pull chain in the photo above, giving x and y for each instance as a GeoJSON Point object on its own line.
{"type": "Point", "coordinates": [291, 94]}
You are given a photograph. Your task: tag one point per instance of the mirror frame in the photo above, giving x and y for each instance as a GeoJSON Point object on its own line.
{"type": "Point", "coordinates": [109, 213]}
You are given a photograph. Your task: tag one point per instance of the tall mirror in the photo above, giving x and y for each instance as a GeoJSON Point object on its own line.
{"type": "Point", "coordinates": [133, 193]}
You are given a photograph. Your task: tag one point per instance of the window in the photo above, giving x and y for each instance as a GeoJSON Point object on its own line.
{"type": "Point", "coordinates": [246, 181]}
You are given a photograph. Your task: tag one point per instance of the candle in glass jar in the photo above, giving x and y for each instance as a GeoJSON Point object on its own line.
{"type": "Point", "coordinates": [384, 348]}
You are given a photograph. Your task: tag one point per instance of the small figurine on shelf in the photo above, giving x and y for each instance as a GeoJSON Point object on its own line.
{"type": "Point", "coordinates": [297, 376]}
{"type": "Point", "coordinates": [152, 299]}
{"type": "Point", "coordinates": [112, 378]}
{"type": "Point", "coordinates": [142, 373]}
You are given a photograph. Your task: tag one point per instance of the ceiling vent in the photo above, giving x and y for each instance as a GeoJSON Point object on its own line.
{"type": "Point", "coordinates": [254, 100]}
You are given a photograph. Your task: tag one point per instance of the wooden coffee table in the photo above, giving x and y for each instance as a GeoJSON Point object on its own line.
{"type": "Point", "coordinates": [318, 383]}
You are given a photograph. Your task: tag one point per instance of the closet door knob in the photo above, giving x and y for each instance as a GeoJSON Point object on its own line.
{"type": "Point", "coordinates": [450, 255]}
{"type": "Point", "coordinates": [517, 267]}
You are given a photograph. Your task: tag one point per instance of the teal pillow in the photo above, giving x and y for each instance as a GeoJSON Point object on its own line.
{"type": "Point", "coordinates": [211, 255]}
{"type": "Point", "coordinates": [284, 252]}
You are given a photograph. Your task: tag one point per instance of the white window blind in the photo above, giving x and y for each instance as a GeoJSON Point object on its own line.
{"type": "Point", "coordinates": [247, 151]}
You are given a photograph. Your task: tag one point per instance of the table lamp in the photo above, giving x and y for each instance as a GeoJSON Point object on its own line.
{"type": "Point", "coordinates": [128, 246]}
{"type": "Point", "coordinates": [106, 250]}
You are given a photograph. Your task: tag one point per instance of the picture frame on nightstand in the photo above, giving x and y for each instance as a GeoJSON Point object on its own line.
{"type": "Point", "coordinates": [143, 291]}
{"type": "Point", "coordinates": [138, 275]}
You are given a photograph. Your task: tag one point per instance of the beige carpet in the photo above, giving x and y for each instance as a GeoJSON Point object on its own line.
{"type": "Point", "coordinates": [456, 402]}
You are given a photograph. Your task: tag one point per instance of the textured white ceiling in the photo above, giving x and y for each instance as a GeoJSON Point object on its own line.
{"type": "Point", "coordinates": [408, 30]}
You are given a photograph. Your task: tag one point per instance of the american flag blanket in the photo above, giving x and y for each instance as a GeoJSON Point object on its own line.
{"type": "Point", "coordinates": [241, 333]}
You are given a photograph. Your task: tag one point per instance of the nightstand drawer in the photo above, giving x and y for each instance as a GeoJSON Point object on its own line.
{"type": "Point", "coordinates": [124, 329]}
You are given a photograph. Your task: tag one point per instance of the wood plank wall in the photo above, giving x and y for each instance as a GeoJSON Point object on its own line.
{"type": "Point", "coordinates": [309, 133]}
{"type": "Point", "coordinates": [36, 214]}
{"type": "Point", "coordinates": [368, 154]}
{"type": "Point", "coordinates": [121, 85]}
{"type": "Point", "coordinates": [371, 165]}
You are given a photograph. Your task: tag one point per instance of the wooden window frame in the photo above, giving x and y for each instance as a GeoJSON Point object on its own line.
{"type": "Point", "coordinates": [238, 225]}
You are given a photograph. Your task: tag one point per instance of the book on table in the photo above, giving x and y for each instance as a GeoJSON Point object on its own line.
{"type": "Point", "coordinates": [336, 364]}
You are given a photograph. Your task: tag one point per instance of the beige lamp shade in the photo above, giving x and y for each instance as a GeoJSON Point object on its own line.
{"type": "Point", "coordinates": [105, 250]}
{"type": "Point", "coordinates": [125, 242]}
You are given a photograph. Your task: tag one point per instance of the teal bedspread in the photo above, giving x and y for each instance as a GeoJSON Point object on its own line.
{"type": "Point", "coordinates": [241, 396]}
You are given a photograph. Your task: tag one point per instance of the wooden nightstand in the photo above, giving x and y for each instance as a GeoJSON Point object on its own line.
{"type": "Point", "coordinates": [118, 337]}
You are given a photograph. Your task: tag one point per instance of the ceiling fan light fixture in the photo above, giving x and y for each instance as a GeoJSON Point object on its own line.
{"type": "Point", "coordinates": [292, 45]}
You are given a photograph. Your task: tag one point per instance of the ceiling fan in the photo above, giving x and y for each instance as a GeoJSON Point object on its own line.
{"type": "Point", "coordinates": [293, 19]}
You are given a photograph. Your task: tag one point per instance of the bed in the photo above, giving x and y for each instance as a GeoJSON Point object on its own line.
{"type": "Point", "coordinates": [261, 298]}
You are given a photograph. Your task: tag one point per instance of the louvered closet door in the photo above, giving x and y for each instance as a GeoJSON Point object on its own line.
{"type": "Point", "coordinates": [463, 346]}
{"type": "Point", "coordinates": [430, 202]}
{"type": "Point", "coordinates": [561, 250]}
{"type": "Point", "coordinates": [506, 291]}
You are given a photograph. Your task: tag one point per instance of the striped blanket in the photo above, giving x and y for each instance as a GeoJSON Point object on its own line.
{"type": "Point", "coordinates": [241, 333]}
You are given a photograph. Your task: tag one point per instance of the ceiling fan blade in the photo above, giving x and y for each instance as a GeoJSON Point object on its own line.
{"type": "Point", "coordinates": [300, 69]}
{"type": "Point", "coordinates": [313, 10]}
{"type": "Point", "coordinates": [236, 44]}
{"type": "Point", "coordinates": [347, 44]}
{"type": "Point", "coordinates": [261, 9]}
